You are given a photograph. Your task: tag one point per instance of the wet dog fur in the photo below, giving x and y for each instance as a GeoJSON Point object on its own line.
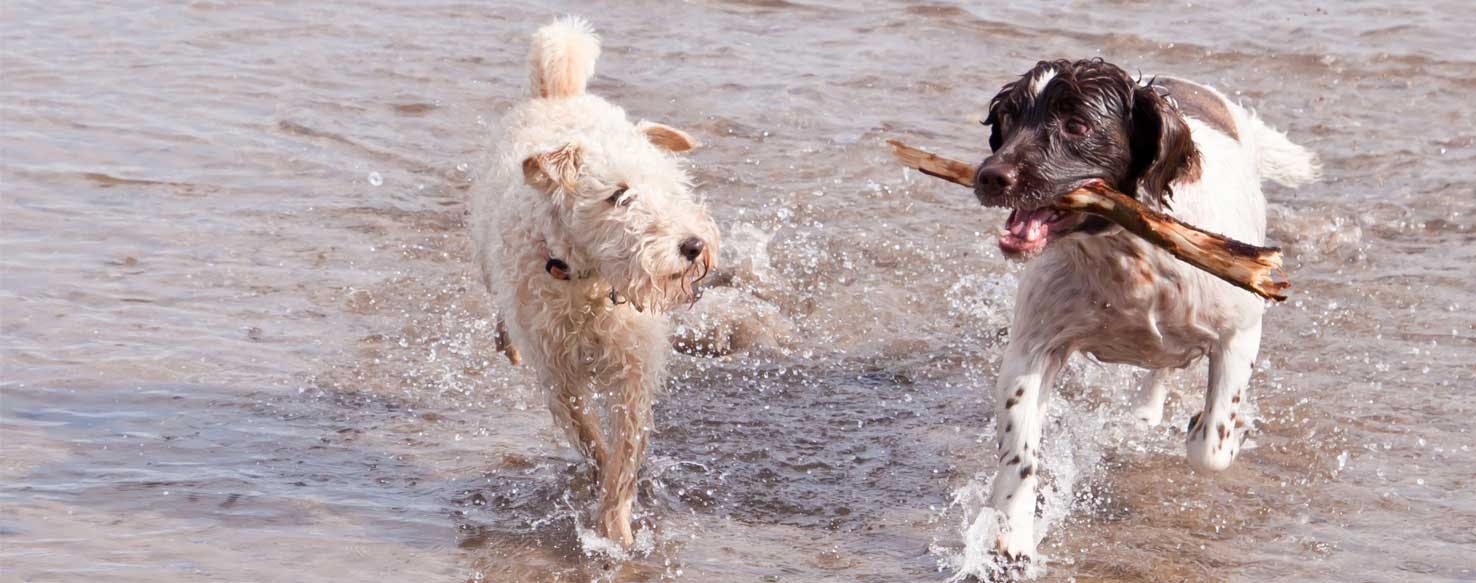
{"type": "Point", "coordinates": [587, 232]}
{"type": "Point", "coordinates": [1092, 288]}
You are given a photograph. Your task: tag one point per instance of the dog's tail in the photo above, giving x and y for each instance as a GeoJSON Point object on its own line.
{"type": "Point", "coordinates": [562, 58]}
{"type": "Point", "coordinates": [1279, 160]}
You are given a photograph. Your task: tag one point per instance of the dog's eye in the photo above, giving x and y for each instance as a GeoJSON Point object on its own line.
{"type": "Point", "coordinates": [1077, 128]}
{"type": "Point", "coordinates": [619, 197]}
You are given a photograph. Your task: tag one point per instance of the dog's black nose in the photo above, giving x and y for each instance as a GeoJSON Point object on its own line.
{"type": "Point", "coordinates": [996, 178]}
{"type": "Point", "coordinates": [692, 247]}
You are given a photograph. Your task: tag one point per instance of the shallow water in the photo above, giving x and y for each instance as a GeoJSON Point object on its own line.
{"type": "Point", "coordinates": [242, 341]}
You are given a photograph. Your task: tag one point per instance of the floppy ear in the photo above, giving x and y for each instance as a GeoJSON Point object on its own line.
{"type": "Point", "coordinates": [996, 118]}
{"type": "Point", "coordinates": [556, 169]}
{"type": "Point", "coordinates": [995, 139]}
{"type": "Point", "coordinates": [667, 137]}
{"type": "Point", "coordinates": [1163, 151]}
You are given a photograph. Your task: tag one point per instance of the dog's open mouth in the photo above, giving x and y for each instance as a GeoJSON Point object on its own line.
{"type": "Point", "coordinates": [1027, 232]}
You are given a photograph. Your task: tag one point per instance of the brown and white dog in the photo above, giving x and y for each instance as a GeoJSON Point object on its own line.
{"type": "Point", "coordinates": [1181, 147]}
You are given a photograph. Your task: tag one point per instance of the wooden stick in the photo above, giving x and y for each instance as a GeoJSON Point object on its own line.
{"type": "Point", "coordinates": [959, 173]}
{"type": "Point", "coordinates": [1248, 267]}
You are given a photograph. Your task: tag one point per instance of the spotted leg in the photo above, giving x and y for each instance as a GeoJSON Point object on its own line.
{"type": "Point", "coordinates": [1215, 434]}
{"type": "Point", "coordinates": [1151, 393]}
{"type": "Point", "coordinates": [1019, 411]}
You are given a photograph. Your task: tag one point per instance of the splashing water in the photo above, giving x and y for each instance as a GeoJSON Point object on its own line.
{"type": "Point", "coordinates": [217, 299]}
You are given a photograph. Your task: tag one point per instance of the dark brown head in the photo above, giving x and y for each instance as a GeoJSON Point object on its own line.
{"type": "Point", "coordinates": [1064, 124]}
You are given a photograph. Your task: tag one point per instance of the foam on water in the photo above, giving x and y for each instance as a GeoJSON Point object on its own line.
{"type": "Point", "coordinates": [598, 547]}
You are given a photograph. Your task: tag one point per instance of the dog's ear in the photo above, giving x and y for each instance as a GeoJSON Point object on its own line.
{"type": "Point", "coordinates": [667, 137]}
{"type": "Point", "coordinates": [1163, 151]}
{"type": "Point", "coordinates": [556, 169]}
{"type": "Point", "coordinates": [999, 107]}
{"type": "Point", "coordinates": [995, 138]}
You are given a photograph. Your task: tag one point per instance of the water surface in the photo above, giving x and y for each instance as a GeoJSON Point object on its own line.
{"type": "Point", "coordinates": [242, 339]}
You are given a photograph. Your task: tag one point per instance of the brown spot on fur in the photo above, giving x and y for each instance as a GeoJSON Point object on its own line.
{"type": "Point", "coordinates": [1235, 399]}
{"type": "Point", "coordinates": [1009, 427]}
{"type": "Point", "coordinates": [1197, 101]}
{"type": "Point", "coordinates": [1223, 431]}
{"type": "Point", "coordinates": [1014, 460]}
{"type": "Point", "coordinates": [1019, 392]}
{"type": "Point", "coordinates": [1026, 471]}
{"type": "Point", "coordinates": [1010, 403]}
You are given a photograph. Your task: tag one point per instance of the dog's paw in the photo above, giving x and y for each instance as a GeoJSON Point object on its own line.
{"type": "Point", "coordinates": [1013, 548]}
{"type": "Point", "coordinates": [1213, 442]}
{"type": "Point", "coordinates": [618, 532]}
{"type": "Point", "coordinates": [1148, 414]}
{"type": "Point", "coordinates": [615, 524]}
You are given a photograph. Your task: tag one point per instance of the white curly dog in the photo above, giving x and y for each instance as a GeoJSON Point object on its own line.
{"type": "Point", "coordinates": [587, 232]}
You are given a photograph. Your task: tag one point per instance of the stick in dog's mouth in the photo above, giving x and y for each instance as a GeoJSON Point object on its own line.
{"type": "Point", "coordinates": [1246, 266]}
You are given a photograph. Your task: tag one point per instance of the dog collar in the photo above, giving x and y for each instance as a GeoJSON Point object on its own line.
{"type": "Point", "coordinates": [561, 271]}
{"type": "Point", "coordinates": [557, 268]}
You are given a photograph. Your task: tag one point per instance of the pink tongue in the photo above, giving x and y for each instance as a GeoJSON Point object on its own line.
{"type": "Point", "coordinates": [1030, 225]}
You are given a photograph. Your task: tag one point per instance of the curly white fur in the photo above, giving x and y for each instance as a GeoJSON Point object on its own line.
{"type": "Point", "coordinates": [1121, 300]}
{"type": "Point", "coordinates": [572, 178]}
{"type": "Point", "coordinates": [562, 58]}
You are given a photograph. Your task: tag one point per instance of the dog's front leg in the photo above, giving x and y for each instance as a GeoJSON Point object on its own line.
{"type": "Point", "coordinates": [1215, 434]}
{"type": "Point", "coordinates": [572, 406]}
{"type": "Point", "coordinates": [631, 424]}
{"type": "Point", "coordinates": [1019, 411]}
